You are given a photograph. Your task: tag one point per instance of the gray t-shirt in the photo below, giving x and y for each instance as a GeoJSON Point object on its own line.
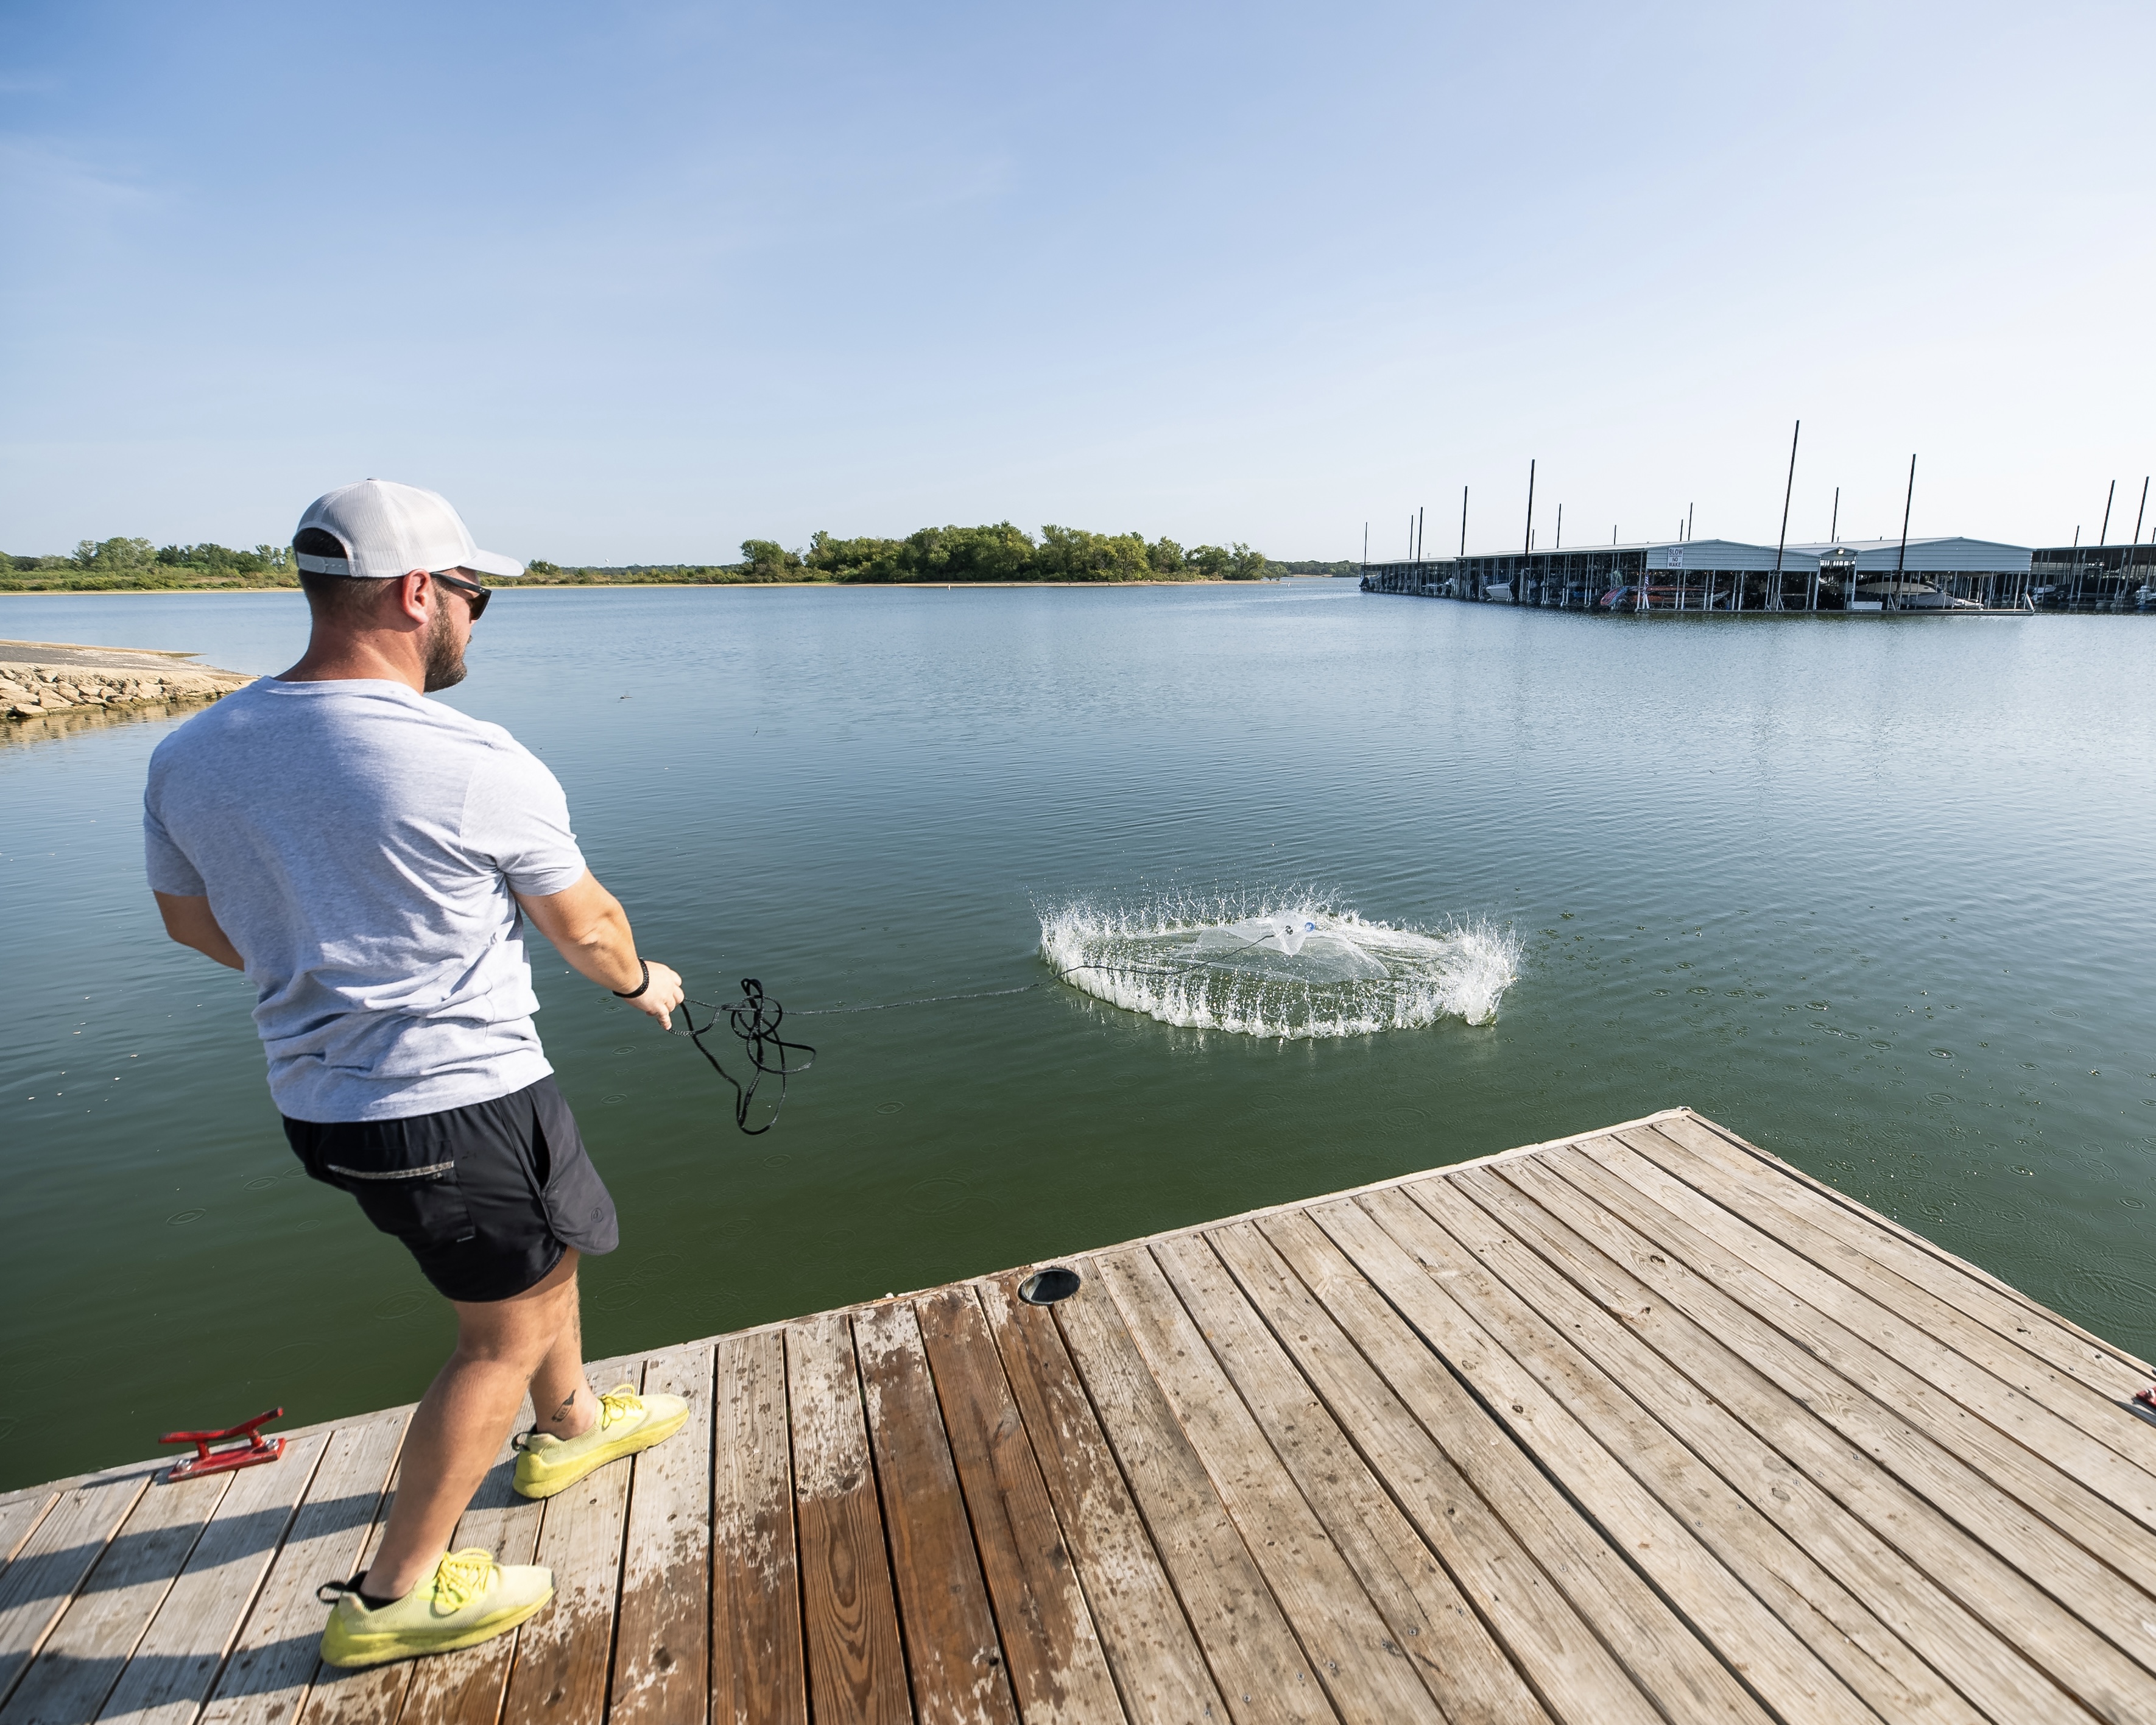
{"type": "Point", "coordinates": [359, 843]}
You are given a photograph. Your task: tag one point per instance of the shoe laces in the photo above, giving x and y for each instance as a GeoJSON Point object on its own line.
{"type": "Point", "coordinates": [462, 1577]}
{"type": "Point", "coordinates": [617, 1405]}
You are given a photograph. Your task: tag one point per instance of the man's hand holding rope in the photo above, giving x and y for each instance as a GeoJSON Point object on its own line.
{"type": "Point", "coordinates": [590, 928]}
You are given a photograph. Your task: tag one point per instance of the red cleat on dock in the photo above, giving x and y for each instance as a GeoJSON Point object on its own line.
{"type": "Point", "coordinates": [241, 1445]}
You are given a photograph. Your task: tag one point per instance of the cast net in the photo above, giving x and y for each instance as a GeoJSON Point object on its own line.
{"type": "Point", "coordinates": [1295, 969]}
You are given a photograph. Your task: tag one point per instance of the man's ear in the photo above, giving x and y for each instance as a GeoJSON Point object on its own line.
{"type": "Point", "coordinates": [412, 594]}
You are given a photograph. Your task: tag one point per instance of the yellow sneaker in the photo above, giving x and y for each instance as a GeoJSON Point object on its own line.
{"type": "Point", "coordinates": [468, 1599]}
{"type": "Point", "coordinates": [627, 1422]}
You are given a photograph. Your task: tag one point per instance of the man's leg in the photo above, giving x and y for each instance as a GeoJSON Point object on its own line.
{"type": "Point", "coordinates": [562, 1399]}
{"type": "Point", "coordinates": [529, 1340]}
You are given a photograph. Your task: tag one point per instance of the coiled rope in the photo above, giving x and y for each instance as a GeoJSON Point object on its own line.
{"type": "Point", "coordinates": [755, 1018]}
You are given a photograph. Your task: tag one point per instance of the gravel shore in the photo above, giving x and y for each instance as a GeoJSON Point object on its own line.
{"type": "Point", "coordinates": [38, 678]}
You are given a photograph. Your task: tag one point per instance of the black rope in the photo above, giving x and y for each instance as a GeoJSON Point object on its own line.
{"type": "Point", "coordinates": [755, 1018]}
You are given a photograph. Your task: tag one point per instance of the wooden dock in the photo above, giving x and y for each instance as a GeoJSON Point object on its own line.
{"type": "Point", "coordinates": [1645, 1425]}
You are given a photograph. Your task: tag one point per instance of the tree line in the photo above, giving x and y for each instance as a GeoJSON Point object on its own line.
{"type": "Point", "coordinates": [1002, 552]}
{"type": "Point", "coordinates": [998, 553]}
{"type": "Point", "coordinates": [105, 564]}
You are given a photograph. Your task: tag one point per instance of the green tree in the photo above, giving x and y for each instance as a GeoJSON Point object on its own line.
{"type": "Point", "coordinates": [769, 561]}
{"type": "Point", "coordinates": [865, 559]}
{"type": "Point", "coordinates": [1002, 552]}
{"type": "Point", "coordinates": [115, 557]}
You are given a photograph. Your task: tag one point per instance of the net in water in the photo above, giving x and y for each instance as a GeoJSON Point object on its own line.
{"type": "Point", "coordinates": [1298, 969]}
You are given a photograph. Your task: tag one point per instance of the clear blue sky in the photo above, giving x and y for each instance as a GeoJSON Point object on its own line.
{"type": "Point", "coordinates": [632, 282]}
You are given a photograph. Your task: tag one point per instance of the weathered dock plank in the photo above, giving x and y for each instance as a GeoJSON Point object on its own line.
{"type": "Point", "coordinates": [661, 1669]}
{"type": "Point", "coordinates": [40, 1586]}
{"type": "Point", "coordinates": [857, 1666]}
{"type": "Point", "coordinates": [759, 1675]}
{"type": "Point", "coordinates": [1057, 1671]}
{"type": "Point", "coordinates": [952, 1656]}
{"type": "Point", "coordinates": [1255, 1658]}
{"type": "Point", "coordinates": [1636, 1426]}
{"type": "Point", "coordinates": [1160, 1671]}
{"type": "Point", "coordinates": [564, 1655]}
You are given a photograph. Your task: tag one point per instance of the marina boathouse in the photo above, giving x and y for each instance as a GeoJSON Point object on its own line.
{"type": "Point", "coordinates": [1946, 573]}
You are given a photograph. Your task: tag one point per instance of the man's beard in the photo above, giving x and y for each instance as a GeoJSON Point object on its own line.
{"type": "Point", "coordinates": [445, 659]}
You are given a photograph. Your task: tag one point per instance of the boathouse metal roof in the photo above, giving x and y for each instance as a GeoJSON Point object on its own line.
{"type": "Point", "coordinates": [1951, 554]}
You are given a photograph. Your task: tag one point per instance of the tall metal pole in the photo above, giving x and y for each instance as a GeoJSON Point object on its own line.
{"type": "Point", "coordinates": [1366, 545]}
{"type": "Point", "coordinates": [1834, 527]}
{"type": "Point", "coordinates": [2134, 556]}
{"type": "Point", "coordinates": [1902, 556]}
{"type": "Point", "coordinates": [2103, 533]}
{"type": "Point", "coordinates": [1418, 533]}
{"type": "Point", "coordinates": [1530, 544]}
{"type": "Point", "coordinates": [1463, 521]}
{"type": "Point", "coordinates": [1788, 489]}
{"type": "Point", "coordinates": [1689, 508]}
{"type": "Point", "coordinates": [1559, 545]}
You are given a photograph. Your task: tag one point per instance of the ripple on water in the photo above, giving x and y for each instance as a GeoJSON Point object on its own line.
{"type": "Point", "coordinates": [942, 1196]}
{"type": "Point", "coordinates": [2103, 1297]}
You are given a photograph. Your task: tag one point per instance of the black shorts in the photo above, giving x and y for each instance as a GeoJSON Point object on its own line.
{"type": "Point", "coordinates": [486, 1198]}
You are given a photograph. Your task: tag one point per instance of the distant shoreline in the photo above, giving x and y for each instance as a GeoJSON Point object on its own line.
{"type": "Point", "coordinates": [156, 592]}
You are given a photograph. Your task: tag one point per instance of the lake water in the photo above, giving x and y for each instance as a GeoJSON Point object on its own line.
{"type": "Point", "coordinates": [1875, 892]}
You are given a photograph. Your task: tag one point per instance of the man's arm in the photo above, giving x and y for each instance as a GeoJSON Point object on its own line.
{"type": "Point", "coordinates": [590, 928]}
{"type": "Point", "coordinates": [188, 921]}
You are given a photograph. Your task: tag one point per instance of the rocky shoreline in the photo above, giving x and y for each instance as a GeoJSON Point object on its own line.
{"type": "Point", "coordinates": [42, 678]}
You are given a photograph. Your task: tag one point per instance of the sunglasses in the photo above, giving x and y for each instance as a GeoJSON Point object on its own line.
{"type": "Point", "coordinates": [475, 594]}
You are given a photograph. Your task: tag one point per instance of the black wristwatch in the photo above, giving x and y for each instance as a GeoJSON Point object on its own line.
{"type": "Point", "coordinates": [632, 993]}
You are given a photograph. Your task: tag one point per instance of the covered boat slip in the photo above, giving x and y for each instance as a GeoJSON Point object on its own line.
{"type": "Point", "coordinates": [1642, 1425]}
{"type": "Point", "coordinates": [1943, 574]}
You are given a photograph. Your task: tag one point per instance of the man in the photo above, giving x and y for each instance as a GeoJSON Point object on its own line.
{"type": "Point", "coordinates": [368, 857]}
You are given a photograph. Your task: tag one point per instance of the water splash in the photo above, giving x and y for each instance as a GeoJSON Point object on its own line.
{"type": "Point", "coordinates": [1293, 967]}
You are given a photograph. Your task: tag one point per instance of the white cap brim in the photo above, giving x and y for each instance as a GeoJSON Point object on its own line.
{"type": "Point", "coordinates": [493, 563]}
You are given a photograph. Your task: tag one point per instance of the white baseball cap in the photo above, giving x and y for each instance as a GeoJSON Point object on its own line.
{"type": "Point", "coordinates": [389, 530]}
